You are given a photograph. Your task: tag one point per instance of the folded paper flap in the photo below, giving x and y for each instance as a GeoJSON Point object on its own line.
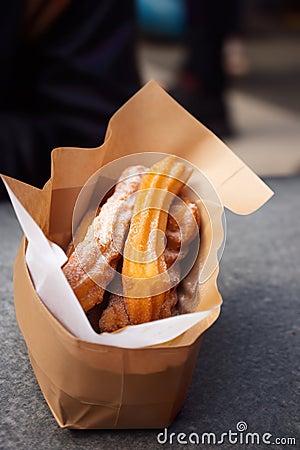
{"type": "Point", "coordinates": [88, 160]}
{"type": "Point", "coordinates": [244, 192]}
{"type": "Point", "coordinates": [34, 200]}
{"type": "Point", "coordinates": [153, 121]}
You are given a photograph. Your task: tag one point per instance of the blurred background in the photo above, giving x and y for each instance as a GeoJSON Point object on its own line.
{"type": "Point", "coordinates": [255, 45]}
{"type": "Point", "coordinates": [67, 66]}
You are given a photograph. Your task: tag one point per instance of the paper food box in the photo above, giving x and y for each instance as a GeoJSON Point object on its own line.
{"type": "Point", "coordinates": [137, 377]}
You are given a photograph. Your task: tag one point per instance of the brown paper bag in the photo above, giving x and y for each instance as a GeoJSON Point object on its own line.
{"type": "Point", "coordinates": [95, 386]}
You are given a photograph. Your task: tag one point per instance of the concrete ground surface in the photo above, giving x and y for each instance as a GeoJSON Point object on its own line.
{"type": "Point", "coordinates": [248, 366]}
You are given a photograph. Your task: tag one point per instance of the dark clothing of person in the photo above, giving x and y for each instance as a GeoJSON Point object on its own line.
{"type": "Point", "coordinates": [61, 78]}
{"type": "Point", "coordinates": [202, 83]}
{"type": "Point", "coordinates": [210, 22]}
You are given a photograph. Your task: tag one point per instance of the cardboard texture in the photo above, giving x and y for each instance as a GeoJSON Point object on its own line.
{"type": "Point", "coordinates": [89, 385]}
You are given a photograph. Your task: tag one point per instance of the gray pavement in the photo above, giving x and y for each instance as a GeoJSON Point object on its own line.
{"type": "Point", "coordinates": [248, 367]}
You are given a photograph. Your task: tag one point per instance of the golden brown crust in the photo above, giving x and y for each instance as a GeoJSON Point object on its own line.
{"type": "Point", "coordinates": [115, 316]}
{"type": "Point", "coordinates": [144, 272]}
{"type": "Point", "coordinates": [92, 265]}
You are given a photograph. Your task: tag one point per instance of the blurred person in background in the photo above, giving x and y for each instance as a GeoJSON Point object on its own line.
{"type": "Point", "coordinates": [203, 80]}
{"type": "Point", "coordinates": [66, 67]}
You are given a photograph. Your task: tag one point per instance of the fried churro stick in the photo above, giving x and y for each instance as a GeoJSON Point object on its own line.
{"type": "Point", "coordinates": [178, 237]}
{"type": "Point", "coordinates": [115, 315]}
{"type": "Point", "coordinates": [144, 269]}
{"type": "Point", "coordinates": [183, 226]}
{"type": "Point", "coordinates": [92, 265]}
